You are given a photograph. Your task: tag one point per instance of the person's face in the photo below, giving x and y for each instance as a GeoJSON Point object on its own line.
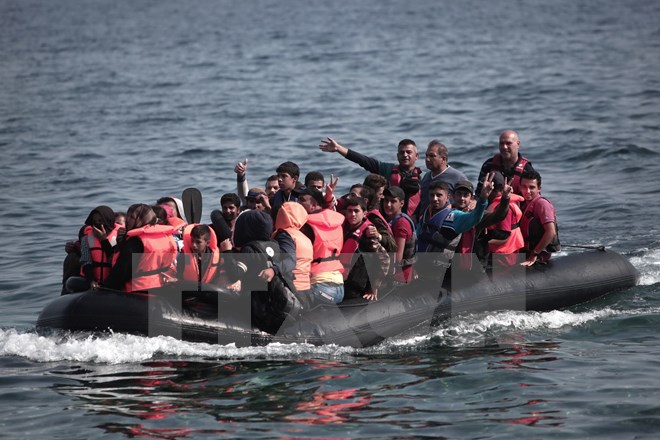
{"type": "Point", "coordinates": [308, 203]}
{"type": "Point", "coordinates": [354, 215]}
{"type": "Point", "coordinates": [529, 189]}
{"type": "Point", "coordinates": [318, 184]}
{"type": "Point", "coordinates": [175, 209]}
{"type": "Point", "coordinates": [379, 193]}
{"type": "Point", "coordinates": [462, 199]}
{"type": "Point", "coordinates": [509, 145]}
{"type": "Point", "coordinates": [438, 198]}
{"type": "Point", "coordinates": [407, 155]}
{"type": "Point", "coordinates": [286, 181]}
{"type": "Point", "coordinates": [121, 220]}
{"type": "Point", "coordinates": [199, 245]}
{"type": "Point", "coordinates": [254, 203]}
{"type": "Point", "coordinates": [272, 186]}
{"type": "Point", "coordinates": [229, 211]}
{"type": "Point", "coordinates": [434, 161]}
{"type": "Point", "coordinates": [392, 206]}
{"type": "Point", "coordinates": [97, 220]}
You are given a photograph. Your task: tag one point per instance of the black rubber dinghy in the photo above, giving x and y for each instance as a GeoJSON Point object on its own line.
{"type": "Point", "coordinates": [216, 316]}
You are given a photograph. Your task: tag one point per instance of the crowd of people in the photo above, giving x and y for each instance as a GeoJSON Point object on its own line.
{"type": "Point", "coordinates": [293, 244]}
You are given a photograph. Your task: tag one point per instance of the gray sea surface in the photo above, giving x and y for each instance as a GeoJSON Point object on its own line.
{"type": "Point", "coordinates": [122, 102]}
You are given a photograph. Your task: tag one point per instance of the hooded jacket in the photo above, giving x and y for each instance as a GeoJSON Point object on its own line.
{"type": "Point", "coordinates": [290, 218]}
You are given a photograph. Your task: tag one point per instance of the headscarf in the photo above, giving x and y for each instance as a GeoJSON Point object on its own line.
{"type": "Point", "coordinates": [252, 225]}
{"type": "Point", "coordinates": [107, 217]}
{"type": "Point", "coordinates": [140, 215]}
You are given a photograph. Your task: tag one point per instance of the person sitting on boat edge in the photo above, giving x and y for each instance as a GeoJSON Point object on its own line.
{"type": "Point", "coordinates": [403, 230]}
{"type": "Point", "coordinates": [146, 256]}
{"type": "Point", "coordinates": [200, 259]}
{"type": "Point", "coordinates": [539, 221]}
{"type": "Point", "coordinates": [508, 161]}
{"type": "Point", "coordinates": [406, 174]}
{"type": "Point", "coordinates": [365, 260]}
{"type": "Point", "coordinates": [264, 270]}
{"type": "Point", "coordinates": [324, 229]}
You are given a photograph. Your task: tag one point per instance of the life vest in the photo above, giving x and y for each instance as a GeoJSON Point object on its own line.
{"type": "Point", "coordinates": [533, 230]}
{"type": "Point", "coordinates": [328, 241]}
{"type": "Point", "coordinates": [429, 225]}
{"type": "Point", "coordinates": [100, 261]}
{"type": "Point", "coordinates": [191, 269]}
{"type": "Point", "coordinates": [410, 184]}
{"type": "Point", "coordinates": [515, 242]}
{"type": "Point", "coordinates": [290, 218]}
{"type": "Point", "coordinates": [518, 168]}
{"type": "Point", "coordinates": [410, 248]}
{"type": "Point", "coordinates": [351, 244]}
{"type": "Point", "coordinates": [158, 258]}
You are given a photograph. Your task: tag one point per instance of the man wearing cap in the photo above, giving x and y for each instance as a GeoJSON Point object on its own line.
{"type": "Point", "coordinates": [405, 174]}
{"type": "Point", "coordinates": [324, 229]}
{"type": "Point", "coordinates": [256, 198]}
{"type": "Point", "coordinates": [403, 230]}
{"type": "Point", "coordinates": [439, 170]}
{"type": "Point", "coordinates": [442, 226]}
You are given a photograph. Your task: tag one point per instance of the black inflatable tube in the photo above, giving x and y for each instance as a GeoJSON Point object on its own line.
{"type": "Point", "coordinates": [215, 316]}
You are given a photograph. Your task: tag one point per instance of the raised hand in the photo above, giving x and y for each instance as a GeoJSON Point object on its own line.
{"type": "Point", "coordinates": [330, 145]}
{"type": "Point", "coordinates": [507, 187]}
{"type": "Point", "coordinates": [241, 167]}
{"type": "Point", "coordinates": [487, 186]}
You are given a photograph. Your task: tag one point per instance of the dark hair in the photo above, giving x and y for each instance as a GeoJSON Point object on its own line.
{"type": "Point", "coordinates": [119, 214]}
{"type": "Point", "coordinates": [230, 198]}
{"type": "Point", "coordinates": [375, 181]}
{"type": "Point", "coordinates": [439, 184]}
{"type": "Point", "coordinates": [312, 176]}
{"type": "Point", "coordinates": [369, 196]}
{"type": "Point", "coordinates": [161, 214]}
{"type": "Point", "coordinates": [163, 200]}
{"type": "Point", "coordinates": [356, 201]}
{"type": "Point", "coordinates": [442, 149]}
{"type": "Point", "coordinates": [403, 142]}
{"type": "Point", "coordinates": [356, 185]}
{"type": "Point", "coordinates": [290, 168]}
{"type": "Point", "coordinates": [532, 175]}
{"type": "Point", "coordinates": [201, 231]}
{"type": "Point", "coordinates": [273, 177]}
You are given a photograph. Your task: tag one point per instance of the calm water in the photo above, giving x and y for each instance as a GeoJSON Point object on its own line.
{"type": "Point", "coordinates": [122, 102]}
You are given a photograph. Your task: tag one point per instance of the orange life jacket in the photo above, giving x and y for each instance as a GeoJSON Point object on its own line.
{"type": "Point", "coordinates": [191, 269]}
{"type": "Point", "coordinates": [515, 242]}
{"type": "Point", "coordinates": [328, 241]}
{"type": "Point", "coordinates": [100, 261]}
{"type": "Point", "coordinates": [290, 218]}
{"type": "Point", "coordinates": [158, 258]}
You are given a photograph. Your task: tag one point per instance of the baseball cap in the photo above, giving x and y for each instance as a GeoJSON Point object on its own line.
{"type": "Point", "coordinates": [464, 184]}
{"type": "Point", "coordinates": [395, 191]}
{"type": "Point", "coordinates": [318, 195]}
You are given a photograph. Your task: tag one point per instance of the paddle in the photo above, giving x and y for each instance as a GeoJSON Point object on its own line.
{"type": "Point", "coordinates": [192, 204]}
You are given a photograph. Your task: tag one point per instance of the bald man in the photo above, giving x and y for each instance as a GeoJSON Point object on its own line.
{"type": "Point", "coordinates": [508, 161]}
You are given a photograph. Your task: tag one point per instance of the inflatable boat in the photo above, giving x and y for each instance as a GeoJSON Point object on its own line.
{"type": "Point", "coordinates": [217, 316]}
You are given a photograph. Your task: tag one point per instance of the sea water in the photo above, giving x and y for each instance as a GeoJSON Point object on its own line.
{"type": "Point", "coordinates": [122, 102]}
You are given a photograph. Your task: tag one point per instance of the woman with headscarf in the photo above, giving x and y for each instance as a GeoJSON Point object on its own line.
{"type": "Point", "coordinates": [97, 245]}
{"type": "Point", "coordinates": [146, 255]}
